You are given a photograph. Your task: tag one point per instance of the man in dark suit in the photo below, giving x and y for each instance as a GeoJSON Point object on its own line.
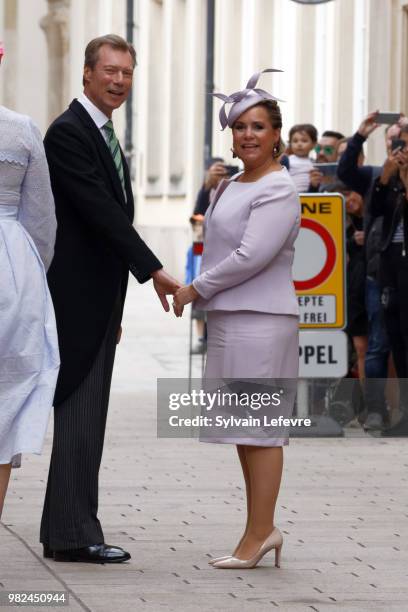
{"type": "Point", "coordinates": [96, 246]}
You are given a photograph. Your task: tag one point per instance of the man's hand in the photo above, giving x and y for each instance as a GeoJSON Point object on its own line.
{"type": "Point", "coordinates": [359, 237]}
{"type": "Point", "coordinates": [164, 284]}
{"type": "Point", "coordinates": [390, 167]}
{"type": "Point", "coordinates": [368, 125]}
{"type": "Point", "coordinates": [184, 296]}
{"type": "Point", "coordinates": [316, 178]}
{"type": "Point", "coordinates": [403, 120]}
{"type": "Point", "coordinates": [215, 173]}
{"type": "Point", "coordinates": [403, 170]}
{"type": "Point", "coordinates": [401, 157]}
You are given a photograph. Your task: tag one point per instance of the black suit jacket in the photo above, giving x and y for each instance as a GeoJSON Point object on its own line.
{"type": "Point", "coordinates": [96, 243]}
{"type": "Point", "coordinates": [390, 202]}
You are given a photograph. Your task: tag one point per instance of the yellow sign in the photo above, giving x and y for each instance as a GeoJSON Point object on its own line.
{"type": "Point", "coordinates": [319, 268]}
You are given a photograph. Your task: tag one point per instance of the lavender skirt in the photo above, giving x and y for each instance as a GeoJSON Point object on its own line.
{"type": "Point", "coordinates": [254, 345]}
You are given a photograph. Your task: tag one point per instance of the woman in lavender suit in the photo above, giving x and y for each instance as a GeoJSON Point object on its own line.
{"type": "Point", "coordinates": [246, 287]}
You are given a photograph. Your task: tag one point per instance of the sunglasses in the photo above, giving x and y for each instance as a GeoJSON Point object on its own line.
{"type": "Point", "coordinates": [328, 150]}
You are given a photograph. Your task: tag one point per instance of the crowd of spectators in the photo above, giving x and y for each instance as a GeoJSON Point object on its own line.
{"type": "Point", "coordinates": [376, 242]}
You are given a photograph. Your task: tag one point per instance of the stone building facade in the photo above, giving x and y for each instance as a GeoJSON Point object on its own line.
{"type": "Point", "coordinates": [340, 60]}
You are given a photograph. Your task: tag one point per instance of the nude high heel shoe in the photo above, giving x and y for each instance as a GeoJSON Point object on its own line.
{"type": "Point", "coordinates": [216, 559]}
{"type": "Point", "coordinates": [274, 540]}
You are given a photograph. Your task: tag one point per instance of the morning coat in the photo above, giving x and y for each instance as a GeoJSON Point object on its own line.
{"type": "Point", "coordinates": [96, 243]}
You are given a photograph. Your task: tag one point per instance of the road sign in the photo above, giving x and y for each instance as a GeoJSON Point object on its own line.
{"type": "Point", "coordinates": [322, 354]}
{"type": "Point", "coordinates": [320, 262]}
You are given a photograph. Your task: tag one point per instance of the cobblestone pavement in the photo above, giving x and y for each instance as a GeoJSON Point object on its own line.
{"type": "Point", "coordinates": [174, 503]}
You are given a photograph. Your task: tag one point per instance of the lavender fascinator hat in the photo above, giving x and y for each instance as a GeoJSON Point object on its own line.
{"type": "Point", "coordinates": [242, 100]}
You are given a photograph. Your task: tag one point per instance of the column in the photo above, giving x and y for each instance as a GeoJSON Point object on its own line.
{"type": "Point", "coordinates": [404, 57]}
{"type": "Point", "coordinates": [227, 66]}
{"type": "Point", "coordinates": [379, 70]}
{"type": "Point", "coordinates": [56, 27]}
{"type": "Point", "coordinates": [342, 67]}
{"type": "Point", "coordinates": [263, 35]}
{"type": "Point", "coordinates": [9, 65]}
{"type": "Point", "coordinates": [360, 63]}
{"type": "Point", "coordinates": [179, 97]}
{"type": "Point", "coordinates": [156, 103]}
{"type": "Point", "coordinates": [194, 92]}
{"type": "Point", "coordinates": [306, 76]}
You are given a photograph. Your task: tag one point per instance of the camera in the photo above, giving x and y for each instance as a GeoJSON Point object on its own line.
{"type": "Point", "coordinates": [231, 170]}
{"type": "Point", "coordinates": [398, 143]}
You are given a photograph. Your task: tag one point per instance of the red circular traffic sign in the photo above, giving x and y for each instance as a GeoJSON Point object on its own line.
{"type": "Point", "coordinates": [327, 269]}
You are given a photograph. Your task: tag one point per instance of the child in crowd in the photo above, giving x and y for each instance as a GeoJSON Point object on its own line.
{"type": "Point", "coordinates": [302, 140]}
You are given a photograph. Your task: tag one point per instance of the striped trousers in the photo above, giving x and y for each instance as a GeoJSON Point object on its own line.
{"type": "Point", "coordinates": [70, 511]}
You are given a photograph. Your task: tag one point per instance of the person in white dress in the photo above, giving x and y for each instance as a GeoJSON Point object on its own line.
{"type": "Point", "coordinates": [29, 357]}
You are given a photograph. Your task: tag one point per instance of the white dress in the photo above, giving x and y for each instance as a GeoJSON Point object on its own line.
{"type": "Point", "coordinates": [29, 357]}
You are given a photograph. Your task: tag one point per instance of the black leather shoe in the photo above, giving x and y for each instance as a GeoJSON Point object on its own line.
{"type": "Point", "coordinates": [97, 553]}
{"type": "Point", "coordinates": [47, 552]}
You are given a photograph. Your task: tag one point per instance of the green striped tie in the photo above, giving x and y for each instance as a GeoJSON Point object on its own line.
{"type": "Point", "coordinates": [113, 144]}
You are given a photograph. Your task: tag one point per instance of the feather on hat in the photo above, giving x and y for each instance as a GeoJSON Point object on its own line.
{"type": "Point", "coordinates": [244, 99]}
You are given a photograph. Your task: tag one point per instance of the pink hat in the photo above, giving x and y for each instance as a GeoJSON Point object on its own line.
{"type": "Point", "coordinates": [242, 100]}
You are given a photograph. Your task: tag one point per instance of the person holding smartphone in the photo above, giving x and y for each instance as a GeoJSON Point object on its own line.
{"type": "Point", "coordinates": [389, 199]}
{"type": "Point", "coordinates": [215, 173]}
{"type": "Point", "coordinates": [326, 152]}
{"type": "Point", "coordinates": [360, 178]}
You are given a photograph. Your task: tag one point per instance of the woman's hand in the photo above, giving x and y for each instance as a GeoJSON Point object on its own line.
{"type": "Point", "coordinates": [368, 125]}
{"type": "Point", "coordinates": [215, 173]}
{"type": "Point", "coordinates": [184, 296]}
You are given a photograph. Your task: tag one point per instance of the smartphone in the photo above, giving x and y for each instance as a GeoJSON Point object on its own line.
{"type": "Point", "coordinates": [231, 170]}
{"type": "Point", "coordinates": [327, 169]}
{"type": "Point", "coordinates": [398, 143]}
{"type": "Point", "coordinates": [387, 118]}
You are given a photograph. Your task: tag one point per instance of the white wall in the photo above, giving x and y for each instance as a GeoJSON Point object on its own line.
{"type": "Point", "coordinates": [24, 79]}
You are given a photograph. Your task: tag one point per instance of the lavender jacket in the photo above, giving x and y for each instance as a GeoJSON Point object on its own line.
{"type": "Point", "coordinates": [249, 233]}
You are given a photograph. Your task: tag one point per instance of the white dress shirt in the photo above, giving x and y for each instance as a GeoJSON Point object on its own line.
{"type": "Point", "coordinates": [98, 117]}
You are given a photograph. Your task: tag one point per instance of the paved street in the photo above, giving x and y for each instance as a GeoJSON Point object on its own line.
{"type": "Point", "coordinates": [175, 503]}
